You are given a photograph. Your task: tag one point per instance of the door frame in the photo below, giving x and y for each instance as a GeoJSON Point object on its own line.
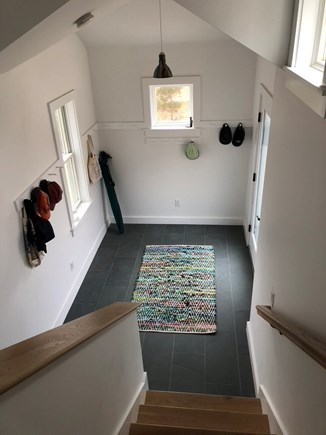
{"type": "Point", "coordinates": [265, 105]}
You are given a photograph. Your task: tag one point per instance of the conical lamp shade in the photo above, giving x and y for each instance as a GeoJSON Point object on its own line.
{"type": "Point", "coordinates": [162, 71]}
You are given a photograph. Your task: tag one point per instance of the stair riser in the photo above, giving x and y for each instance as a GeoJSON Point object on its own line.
{"type": "Point", "coordinates": [202, 401]}
{"type": "Point", "coordinates": [141, 429]}
{"type": "Point", "coordinates": [194, 418]}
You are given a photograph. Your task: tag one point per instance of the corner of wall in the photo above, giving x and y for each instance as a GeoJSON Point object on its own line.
{"type": "Point", "coordinates": [132, 412]}
{"type": "Point", "coordinates": [275, 424]}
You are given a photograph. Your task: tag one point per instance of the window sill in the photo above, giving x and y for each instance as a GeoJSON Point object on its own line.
{"type": "Point", "coordinates": [172, 127]}
{"type": "Point", "coordinates": [307, 84]}
{"type": "Point", "coordinates": [79, 214]}
{"type": "Point", "coordinates": [312, 77]}
{"type": "Point", "coordinates": [175, 136]}
{"type": "Point", "coordinates": [172, 132]}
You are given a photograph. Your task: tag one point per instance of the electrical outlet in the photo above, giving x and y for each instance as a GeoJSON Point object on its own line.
{"type": "Point", "coordinates": [177, 202]}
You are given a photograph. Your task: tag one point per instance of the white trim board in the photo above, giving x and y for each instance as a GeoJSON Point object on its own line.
{"type": "Point", "coordinates": [253, 361]}
{"type": "Point", "coordinates": [132, 411]}
{"type": "Point", "coordinates": [195, 220]}
{"type": "Point", "coordinates": [275, 423]}
{"type": "Point", "coordinates": [202, 124]}
{"type": "Point", "coordinates": [52, 171]}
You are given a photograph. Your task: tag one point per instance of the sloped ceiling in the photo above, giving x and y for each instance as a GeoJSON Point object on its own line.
{"type": "Point", "coordinates": [47, 32]}
{"type": "Point", "coordinates": [137, 23]}
{"type": "Point", "coordinates": [117, 22]}
{"type": "Point", "coordinates": [264, 26]}
{"type": "Point", "coordinates": [19, 16]}
{"type": "Point", "coordinates": [261, 25]}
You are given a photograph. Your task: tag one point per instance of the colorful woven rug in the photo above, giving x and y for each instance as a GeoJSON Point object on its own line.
{"type": "Point", "coordinates": [176, 289]}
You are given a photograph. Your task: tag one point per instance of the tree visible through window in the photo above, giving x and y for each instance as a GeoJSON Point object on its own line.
{"type": "Point", "coordinates": [172, 105]}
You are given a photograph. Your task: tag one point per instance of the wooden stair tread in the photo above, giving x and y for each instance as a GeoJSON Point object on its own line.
{"type": "Point", "coordinates": [150, 429]}
{"type": "Point", "coordinates": [204, 401]}
{"type": "Point", "coordinates": [203, 419]}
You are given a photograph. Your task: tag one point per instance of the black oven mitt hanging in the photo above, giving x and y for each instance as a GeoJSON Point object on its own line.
{"type": "Point", "coordinates": [225, 134]}
{"type": "Point", "coordinates": [238, 136]}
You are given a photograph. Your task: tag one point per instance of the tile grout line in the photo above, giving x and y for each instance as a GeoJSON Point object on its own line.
{"type": "Point", "coordinates": [171, 366]}
{"type": "Point", "coordinates": [109, 271]}
{"type": "Point", "coordinates": [174, 345]}
{"type": "Point", "coordinates": [134, 268]}
{"type": "Point", "coordinates": [205, 341]}
{"type": "Point", "coordinates": [235, 329]}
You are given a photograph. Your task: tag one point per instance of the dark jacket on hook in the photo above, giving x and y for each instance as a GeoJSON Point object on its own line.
{"type": "Point", "coordinates": [39, 231]}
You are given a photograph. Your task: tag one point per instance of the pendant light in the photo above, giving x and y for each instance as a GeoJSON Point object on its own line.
{"type": "Point", "coordinates": [162, 71]}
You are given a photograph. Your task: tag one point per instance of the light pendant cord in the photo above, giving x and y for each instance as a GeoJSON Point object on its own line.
{"type": "Point", "coordinates": [161, 25]}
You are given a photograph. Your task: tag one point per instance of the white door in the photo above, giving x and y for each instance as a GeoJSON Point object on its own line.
{"type": "Point", "coordinates": [261, 144]}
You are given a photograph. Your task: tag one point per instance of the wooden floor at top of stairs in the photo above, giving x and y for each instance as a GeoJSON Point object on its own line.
{"type": "Point", "coordinates": [144, 429]}
{"type": "Point", "coordinates": [204, 401]}
{"type": "Point", "coordinates": [205, 419]}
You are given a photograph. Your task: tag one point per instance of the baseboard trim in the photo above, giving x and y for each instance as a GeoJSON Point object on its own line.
{"type": "Point", "coordinates": [275, 424]}
{"type": "Point", "coordinates": [79, 279]}
{"type": "Point", "coordinates": [253, 360]}
{"type": "Point", "coordinates": [186, 220]}
{"type": "Point", "coordinates": [132, 411]}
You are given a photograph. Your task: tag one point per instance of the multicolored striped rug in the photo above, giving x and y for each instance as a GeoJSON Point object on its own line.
{"type": "Point", "coordinates": [176, 289]}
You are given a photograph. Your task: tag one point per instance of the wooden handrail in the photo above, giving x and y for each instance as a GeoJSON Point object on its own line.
{"type": "Point", "coordinates": [22, 360]}
{"type": "Point", "coordinates": [309, 344]}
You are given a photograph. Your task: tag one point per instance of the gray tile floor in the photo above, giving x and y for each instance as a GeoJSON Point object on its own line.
{"type": "Point", "coordinates": [214, 364]}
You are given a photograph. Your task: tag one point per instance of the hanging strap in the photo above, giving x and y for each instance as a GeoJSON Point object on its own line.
{"type": "Point", "coordinates": [90, 146]}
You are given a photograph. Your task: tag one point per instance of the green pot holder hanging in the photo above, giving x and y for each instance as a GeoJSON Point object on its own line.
{"type": "Point", "coordinates": [192, 151]}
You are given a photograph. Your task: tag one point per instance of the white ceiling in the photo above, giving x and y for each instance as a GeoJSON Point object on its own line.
{"type": "Point", "coordinates": [137, 23]}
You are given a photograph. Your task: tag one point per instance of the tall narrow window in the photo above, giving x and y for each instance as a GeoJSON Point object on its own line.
{"type": "Point", "coordinates": [320, 43]}
{"type": "Point", "coordinates": [68, 157]}
{"type": "Point", "coordinates": [69, 149]}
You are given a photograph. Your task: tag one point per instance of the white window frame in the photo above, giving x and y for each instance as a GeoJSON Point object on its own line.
{"type": "Point", "coordinates": [148, 85]}
{"type": "Point", "coordinates": [306, 36]}
{"type": "Point", "coordinates": [155, 124]}
{"type": "Point", "coordinates": [305, 79]}
{"type": "Point", "coordinates": [320, 36]}
{"type": "Point", "coordinates": [76, 210]}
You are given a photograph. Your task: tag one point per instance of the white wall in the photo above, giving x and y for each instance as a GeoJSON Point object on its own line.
{"type": "Point", "coordinates": [291, 262]}
{"type": "Point", "coordinates": [149, 177]}
{"type": "Point", "coordinates": [33, 300]}
{"type": "Point", "coordinates": [262, 26]}
{"type": "Point", "coordinates": [20, 17]}
{"type": "Point", "coordinates": [90, 390]}
{"type": "Point", "coordinates": [25, 15]}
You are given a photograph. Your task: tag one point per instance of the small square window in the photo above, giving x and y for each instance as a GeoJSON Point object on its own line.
{"type": "Point", "coordinates": [171, 106]}
{"type": "Point", "coordinates": [172, 103]}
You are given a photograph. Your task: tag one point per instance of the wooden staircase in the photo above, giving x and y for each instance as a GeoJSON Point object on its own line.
{"type": "Point", "coordinates": [167, 413]}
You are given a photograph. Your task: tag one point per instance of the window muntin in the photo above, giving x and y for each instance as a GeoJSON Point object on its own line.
{"type": "Point", "coordinates": [68, 157]}
{"type": "Point", "coordinates": [171, 105]}
{"type": "Point", "coordinates": [70, 154]}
